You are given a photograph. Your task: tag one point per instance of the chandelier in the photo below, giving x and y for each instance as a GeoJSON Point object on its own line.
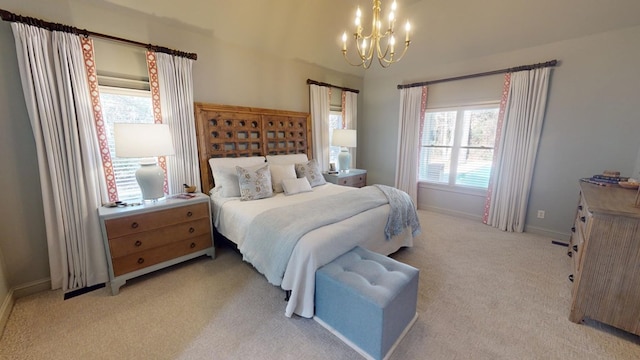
{"type": "Point", "coordinates": [367, 45]}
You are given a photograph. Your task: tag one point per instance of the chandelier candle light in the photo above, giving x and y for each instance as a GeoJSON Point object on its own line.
{"type": "Point", "coordinates": [366, 45]}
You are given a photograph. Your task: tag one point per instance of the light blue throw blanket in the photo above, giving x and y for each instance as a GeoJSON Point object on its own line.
{"type": "Point", "coordinates": [402, 214]}
{"type": "Point", "coordinates": [273, 234]}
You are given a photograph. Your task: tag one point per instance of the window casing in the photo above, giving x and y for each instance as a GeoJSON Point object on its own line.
{"type": "Point", "coordinates": [121, 105]}
{"type": "Point", "coordinates": [457, 145]}
{"type": "Point", "coordinates": [335, 122]}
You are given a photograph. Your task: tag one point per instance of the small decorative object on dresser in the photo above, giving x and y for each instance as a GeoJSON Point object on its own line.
{"type": "Point", "coordinates": [354, 178]}
{"type": "Point", "coordinates": [145, 238]}
{"type": "Point", "coordinates": [605, 252]}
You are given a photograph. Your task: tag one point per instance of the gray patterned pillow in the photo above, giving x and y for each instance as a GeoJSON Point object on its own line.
{"type": "Point", "coordinates": [310, 170]}
{"type": "Point", "coordinates": [254, 184]}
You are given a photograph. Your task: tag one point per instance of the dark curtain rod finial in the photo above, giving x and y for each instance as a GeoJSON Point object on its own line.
{"type": "Point", "coordinates": [11, 17]}
{"type": "Point", "coordinates": [551, 63]}
{"type": "Point", "coordinates": [313, 82]}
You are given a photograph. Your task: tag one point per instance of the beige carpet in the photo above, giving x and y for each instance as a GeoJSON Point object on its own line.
{"type": "Point", "coordinates": [484, 294]}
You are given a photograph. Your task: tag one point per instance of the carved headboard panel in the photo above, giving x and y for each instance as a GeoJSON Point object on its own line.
{"type": "Point", "coordinates": [235, 131]}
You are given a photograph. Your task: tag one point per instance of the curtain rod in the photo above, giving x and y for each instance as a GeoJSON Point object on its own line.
{"type": "Point", "coordinates": [313, 82]}
{"type": "Point", "coordinates": [494, 72]}
{"type": "Point", "coordinates": [11, 17]}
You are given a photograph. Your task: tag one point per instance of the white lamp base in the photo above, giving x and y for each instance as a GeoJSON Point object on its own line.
{"type": "Point", "coordinates": [344, 159]}
{"type": "Point", "coordinates": [150, 178]}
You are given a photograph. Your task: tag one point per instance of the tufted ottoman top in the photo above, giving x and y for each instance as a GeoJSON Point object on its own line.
{"type": "Point", "coordinates": [376, 276]}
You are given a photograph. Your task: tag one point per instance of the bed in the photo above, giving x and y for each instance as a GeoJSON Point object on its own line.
{"type": "Point", "coordinates": [255, 139]}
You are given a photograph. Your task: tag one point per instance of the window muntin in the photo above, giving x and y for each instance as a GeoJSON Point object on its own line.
{"type": "Point", "coordinates": [457, 146]}
{"type": "Point", "coordinates": [125, 106]}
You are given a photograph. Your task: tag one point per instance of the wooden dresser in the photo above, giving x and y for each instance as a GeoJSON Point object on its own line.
{"type": "Point", "coordinates": [605, 251]}
{"type": "Point", "coordinates": [353, 178]}
{"type": "Point", "coordinates": [141, 239]}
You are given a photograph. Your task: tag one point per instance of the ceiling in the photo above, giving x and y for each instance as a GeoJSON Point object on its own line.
{"type": "Point", "coordinates": [449, 30]}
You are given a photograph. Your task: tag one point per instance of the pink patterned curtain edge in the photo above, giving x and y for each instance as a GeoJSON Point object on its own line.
{"type": "Point", "coordinates": [101, 131]}
{"type": "Point", "coordinates": [503, 105]}
{"type": "Point", "coordinates": [157, 110]}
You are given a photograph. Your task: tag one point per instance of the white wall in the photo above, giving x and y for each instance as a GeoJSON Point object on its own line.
{"type": "Point", "coordinates": [224, 73]}
{"type": "Point", "coordinates": [591, 123]}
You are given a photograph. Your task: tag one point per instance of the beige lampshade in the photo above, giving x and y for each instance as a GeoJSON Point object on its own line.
{"type": "Point", "coordinates": [142, 140]}
{"type": "Point", "coordinates": [344, 137]}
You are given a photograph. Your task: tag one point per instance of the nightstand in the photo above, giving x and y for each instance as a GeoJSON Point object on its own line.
{"type": "Point", "coordinates": [148, 237]}
{"type": "Point", "coordinates": [353, 178]}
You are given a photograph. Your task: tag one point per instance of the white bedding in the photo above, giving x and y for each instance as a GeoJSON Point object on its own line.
{"type": "Point", "coordinates": [317, 247]}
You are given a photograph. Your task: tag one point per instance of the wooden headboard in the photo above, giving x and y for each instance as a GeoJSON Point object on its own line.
{"type": "Point", "coordinates": [236, 131]}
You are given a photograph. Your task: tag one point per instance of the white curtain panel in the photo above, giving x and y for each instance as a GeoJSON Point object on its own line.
{"type": "Point", "coordinates": [175, 81]}
{"type": "Point", "coordinates": [319, 99]}
{"type": "Point", "coordinates": [56, 92]}
{"type": "Point", "coordinates": [351, 119]}
{"type": "Point", "coordinates": [521, 129]}
{"type": "Point", "coordinates": [409, 141]}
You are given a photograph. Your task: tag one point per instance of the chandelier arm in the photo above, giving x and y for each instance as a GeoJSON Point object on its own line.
{"type": "Point", "coordinates": [391, 61]}
{"type": "Point", "coordinates": [365, 54]}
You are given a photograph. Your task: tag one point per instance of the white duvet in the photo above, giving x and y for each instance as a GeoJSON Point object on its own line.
{"type": "Point", "coordinates": [317, 247]}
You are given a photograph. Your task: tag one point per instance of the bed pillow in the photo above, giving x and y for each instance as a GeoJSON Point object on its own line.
{"type": "Point", "coordinates": [254, 184]}
{"type": "Point", "coordinates": [279, 173]}
{"type": "Point", "coordinates": [225, 176]}
{"type": "Point", "coordinates": [294, 186]}
{"type": "Point", "coordinates": [310, 170]}
{"type": "Point", "coordinates": [287, 159]}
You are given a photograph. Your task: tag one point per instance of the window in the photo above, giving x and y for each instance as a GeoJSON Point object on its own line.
{"type": "Point", "coordinates": [125, 106]}
{"type": "Point", "coordinates": [335, 122]}
{"type": "Point", "coordinates": [457, 146]}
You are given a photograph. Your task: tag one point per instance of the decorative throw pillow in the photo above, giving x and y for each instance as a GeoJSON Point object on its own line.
{"type": "Point", "coordinates": [225, 176]}
{"type": "Point", "coordinates": [311, 170]}
{"type": "Point", "coordinates": [294, 186]}
{"type": "Point", "coordinates": [279, 173]}
{"type": "Point", "coordinates": [254, 184]}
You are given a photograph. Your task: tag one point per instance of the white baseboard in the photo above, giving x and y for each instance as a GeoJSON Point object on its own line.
{"type": "Point", "coordinates": [16, 293]}
{"type": "Point", "coordinates": [5, 310]}
{"type": "Point", "coordinates": [528, 229]}
{"type": "Point", "coordinates": [32, 288]}
{"type": "Point", "coordinates": [548, 233]}
{"type": "Point", "coordinates": [450, 212]}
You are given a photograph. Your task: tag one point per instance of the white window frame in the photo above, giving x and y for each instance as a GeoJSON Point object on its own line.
{"type": "Point", "coordinates": [128, 92]}
{"type": "Point", "coordinates": [451, 186]}
{"type": "Point", "coordinates": [334, 148]}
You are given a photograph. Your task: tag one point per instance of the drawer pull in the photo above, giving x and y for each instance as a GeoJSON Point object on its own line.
{"type": "Point", "coordinates": [192, 245]}
{"type": "Point", "coordinates": [140, 260]}
{"type": "Point", "coordinates": [191, 230]}
{"type": "Point", "coordinates": [583, 219]}
{"type": "Point", "coordinates": [569, 254]}
{"type": "Point", "coordinates": [575, 248]}
{"type": "Point", "coordinates": [134, 225]}
{"type": "Point", "coordinates": [573, 229]}
{"type": "Point", "coordinates": [189, 214]}
{"type": "Point", "coordinates": [138, 243]}
{"type": "Point", "coordinates": [571, 277]}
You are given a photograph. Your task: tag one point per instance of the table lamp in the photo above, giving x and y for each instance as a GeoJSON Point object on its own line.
{"type": "Point", "coordinates": [145, 141]}
{"type": "Point", "coordinates": [345, 138]}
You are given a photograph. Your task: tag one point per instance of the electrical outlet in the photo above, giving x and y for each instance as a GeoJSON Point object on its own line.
{"type": "Point", "coordinates": [540, 214]}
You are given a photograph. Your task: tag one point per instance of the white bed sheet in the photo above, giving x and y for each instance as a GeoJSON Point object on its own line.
{"type": "Point", "coordinates": [317, 247]}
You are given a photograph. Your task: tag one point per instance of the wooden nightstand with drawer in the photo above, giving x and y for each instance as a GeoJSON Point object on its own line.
{"type": "Point", "coordinates": [353, 178]}
{"type": "Point", "coordinates": [145, 238]}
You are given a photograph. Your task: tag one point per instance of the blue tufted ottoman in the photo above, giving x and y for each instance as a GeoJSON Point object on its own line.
{"type": "Point", "coordinates": [368, 300]}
